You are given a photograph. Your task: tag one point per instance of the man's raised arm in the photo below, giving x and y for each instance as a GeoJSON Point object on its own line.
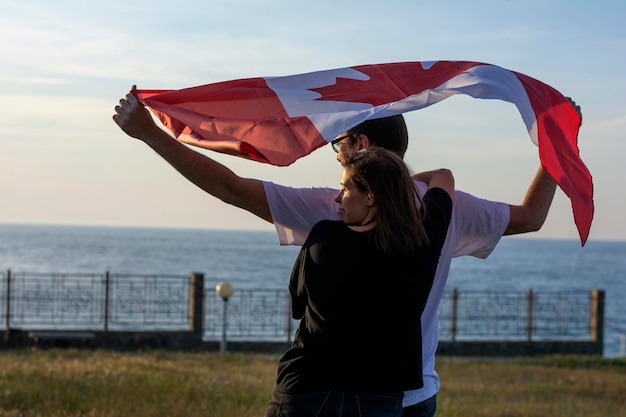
{"type": "Point", "coordinates": [209, 175]}
{"type": "Point", "coordinates": [532, 213]}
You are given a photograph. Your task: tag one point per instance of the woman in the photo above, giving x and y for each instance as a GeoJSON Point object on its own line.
{"type": "Point", "coordinates": [353, 286]}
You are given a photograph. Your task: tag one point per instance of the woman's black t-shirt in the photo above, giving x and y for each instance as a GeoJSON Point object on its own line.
{"type": "Point", "coordinates": [360, 308]}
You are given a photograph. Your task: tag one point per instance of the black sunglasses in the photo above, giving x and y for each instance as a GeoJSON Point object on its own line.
{"type": "Point", "coordinates": [335, 142]}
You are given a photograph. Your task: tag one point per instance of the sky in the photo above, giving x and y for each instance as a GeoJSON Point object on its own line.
{"type": "Point", "coordinates": [64, 65]}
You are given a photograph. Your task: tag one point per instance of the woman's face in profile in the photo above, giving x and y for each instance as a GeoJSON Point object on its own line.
{"type": "Point", "coordinates": [355, 206]}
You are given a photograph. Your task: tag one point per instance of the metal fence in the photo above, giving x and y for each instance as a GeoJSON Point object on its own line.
{"type": "Point", "coordinates": [250, 314]}
{"type": "Point", "coordinates": [516, 315]}
{"type": "Point", "coordinates": [115, 302]}
{"type": "Point", "coordinates": [95, 301]}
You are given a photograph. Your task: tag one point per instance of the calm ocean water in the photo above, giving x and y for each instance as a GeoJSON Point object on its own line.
{"type": "Point", "coordinates": [253, 259]}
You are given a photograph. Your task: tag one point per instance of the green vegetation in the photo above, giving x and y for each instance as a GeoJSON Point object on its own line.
{"type": "Point", "coordinates": [101, 383]}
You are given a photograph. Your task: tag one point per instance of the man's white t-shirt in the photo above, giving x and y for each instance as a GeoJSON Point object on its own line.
{"type": "Point", "coordinates": [475, 229]}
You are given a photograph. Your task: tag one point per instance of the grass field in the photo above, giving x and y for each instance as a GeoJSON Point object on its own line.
{"type": "Point", "coordinates": [175, 384]}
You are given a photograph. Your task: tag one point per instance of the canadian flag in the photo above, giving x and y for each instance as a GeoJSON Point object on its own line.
{"type": "Point", "coordinates": [277, 120]}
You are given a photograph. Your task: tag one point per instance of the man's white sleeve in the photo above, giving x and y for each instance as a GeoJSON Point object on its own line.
{"type": "Point", "coordinates": [479, 224]}
{"type": "Point", "coordinates": [296, 210]}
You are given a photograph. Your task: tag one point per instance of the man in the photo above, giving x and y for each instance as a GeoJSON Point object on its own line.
{"type": "Point", "coordinates": [475, 229]}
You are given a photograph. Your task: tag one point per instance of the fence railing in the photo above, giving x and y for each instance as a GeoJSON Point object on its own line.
{"type": "Point", "coordinates": [95, 301]}
{"type": "Point", "coordinates": [115, 302]}
{"type": "Point", "coordinates": [519, 315]}
{"type": "Point", "coordinates": [252, 314]}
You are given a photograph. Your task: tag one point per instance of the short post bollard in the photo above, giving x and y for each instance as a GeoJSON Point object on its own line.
{"type": "Point", "coordinates": [225, 290]}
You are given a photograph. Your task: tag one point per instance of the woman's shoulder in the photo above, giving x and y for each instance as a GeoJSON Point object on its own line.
{"type": "Point", "coordinates": [437, 194]}
{"type": "Point", "coordinates": [438, 204]}
{"type": "Point", "coordinates": [324, 227]}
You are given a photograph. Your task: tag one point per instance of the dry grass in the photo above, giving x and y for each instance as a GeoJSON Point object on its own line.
{"type": "Point", "coordinates": [556, 387]}
{"type": "Point", "coordinates": [101, 383]}
{"type": "Point", "coordinates": [53, 383]}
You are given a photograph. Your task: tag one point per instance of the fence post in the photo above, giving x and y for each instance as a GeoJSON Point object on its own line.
{"type": "Point", "coordinates": [453, 319]}
{"type": "Point", "coordinates": [7, 330]}
{"type": "Point", "coordinates": [107, 277]}
{"type": "Point", "coordinates": [530, 302]}
{"type": "Point", "coordinates": [597, 316]}
{"type": "Point", "coordinates": [196, 304]}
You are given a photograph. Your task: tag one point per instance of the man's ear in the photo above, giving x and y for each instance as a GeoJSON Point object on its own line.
{"type": "Point", "coordinates": [363, 142]}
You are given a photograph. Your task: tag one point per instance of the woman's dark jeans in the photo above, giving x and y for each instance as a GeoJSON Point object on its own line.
{"type": "Point", "coordinates": [426, 408]}
{"type": "Point", "coordinates": [334, 404]}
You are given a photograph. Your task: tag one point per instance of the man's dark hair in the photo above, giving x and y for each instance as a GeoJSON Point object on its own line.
{"type": "Point", "coordinates": [387, 132]}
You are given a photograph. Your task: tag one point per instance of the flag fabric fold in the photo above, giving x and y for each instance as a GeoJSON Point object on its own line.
{"type": "Point", "coordinates": [278, 120]}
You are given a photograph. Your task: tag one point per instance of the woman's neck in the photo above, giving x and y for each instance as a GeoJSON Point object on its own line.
{"type": "Point", "coordinates": [363, 227]}
{"type": "Point", "coordinates": [368, 223]}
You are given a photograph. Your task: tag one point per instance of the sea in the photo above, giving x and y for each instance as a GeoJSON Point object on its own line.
{"type": "Point", "coordinates": [254, 260]}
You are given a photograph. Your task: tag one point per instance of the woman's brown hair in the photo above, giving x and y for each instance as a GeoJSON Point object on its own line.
{"type": "Point", "coordinates": [400, 210]}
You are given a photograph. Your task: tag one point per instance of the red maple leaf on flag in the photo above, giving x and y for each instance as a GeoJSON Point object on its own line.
{"type": "Point", "coordinates": [399, 81]}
